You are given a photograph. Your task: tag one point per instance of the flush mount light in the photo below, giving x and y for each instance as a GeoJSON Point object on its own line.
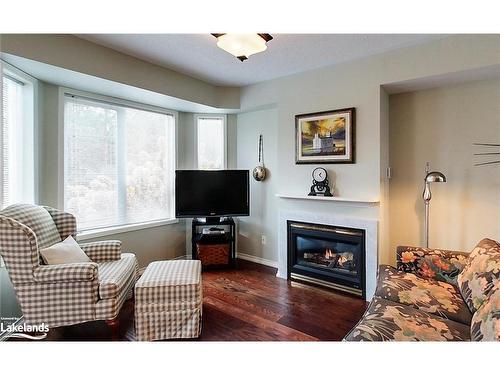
{"type": "Point", "coordinates": [243, 45]}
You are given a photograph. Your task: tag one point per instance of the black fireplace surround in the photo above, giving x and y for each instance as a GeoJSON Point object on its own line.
{"type": "Point", "coordinates": [326, 255]}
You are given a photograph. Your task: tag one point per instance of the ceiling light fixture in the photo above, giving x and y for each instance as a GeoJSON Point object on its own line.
{"type": "Point", "coordinates": [243, 45]}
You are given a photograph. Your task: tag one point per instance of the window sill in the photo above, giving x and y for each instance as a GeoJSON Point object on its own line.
{"type": "Point", "coordinates": [96, 233]}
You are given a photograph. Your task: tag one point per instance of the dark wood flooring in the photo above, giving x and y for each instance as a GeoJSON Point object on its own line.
{"type": "Point", "coordinates": [250, 303]}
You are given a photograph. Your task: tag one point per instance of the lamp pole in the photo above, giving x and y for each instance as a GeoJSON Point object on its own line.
{"type": "Point", "coordinates": [426, 225]}
{"type": "Point", "coordinates": [427, 195]}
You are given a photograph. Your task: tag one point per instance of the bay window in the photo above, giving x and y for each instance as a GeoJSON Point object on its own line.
{"type": "Point", "coordinates": [17, 136]}
{"type": "Point", "coordinates": [119, 162]}
{"type": "Point", "coordinates": [211, 141]}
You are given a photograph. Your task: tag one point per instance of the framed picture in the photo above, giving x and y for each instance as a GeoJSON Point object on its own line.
{"type": "Point", "coordinates": [325, 137]}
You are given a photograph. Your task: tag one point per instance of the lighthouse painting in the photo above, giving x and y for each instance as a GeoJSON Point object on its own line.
{"type": "Point", "coordinates": [325, 137]}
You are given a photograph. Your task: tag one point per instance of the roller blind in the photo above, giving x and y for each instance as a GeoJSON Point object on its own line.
{"type": "Point", "coordinates": [12, 105]}
{"type": "Point", "coordinates": [119, 163]}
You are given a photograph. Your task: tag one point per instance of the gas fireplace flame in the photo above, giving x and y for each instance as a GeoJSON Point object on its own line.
{"type": "Point", "coordinates": [329, 254]}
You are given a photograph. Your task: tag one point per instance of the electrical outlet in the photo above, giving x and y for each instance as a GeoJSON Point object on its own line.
{"type": "Point", "coordinates": [263, 239]}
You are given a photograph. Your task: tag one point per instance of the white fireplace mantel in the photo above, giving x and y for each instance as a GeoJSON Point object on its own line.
{"type": "Point", "coordinates": [331, 199]}
{"type": "Point", "coordinates": [371, 240]}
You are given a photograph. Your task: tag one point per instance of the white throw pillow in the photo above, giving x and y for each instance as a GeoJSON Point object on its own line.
{"type": "Point", "coordinates": [64, 252]}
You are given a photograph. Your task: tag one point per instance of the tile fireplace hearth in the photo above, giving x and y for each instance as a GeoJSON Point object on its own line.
{"type": "Point", "coordinates": [327, 255]}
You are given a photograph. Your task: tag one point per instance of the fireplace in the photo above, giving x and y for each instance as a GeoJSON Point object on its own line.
{"type": "Point", "coordinates": [326, 255]}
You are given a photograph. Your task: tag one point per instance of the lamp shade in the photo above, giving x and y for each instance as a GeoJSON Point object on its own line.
{"type": "Point", "coordinates": [435, 177]}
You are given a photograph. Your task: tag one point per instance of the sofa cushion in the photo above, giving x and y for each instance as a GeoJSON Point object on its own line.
{"type": "Point", "coordinates": [432, 296]}
{"type": "Point", "coordinates": [481, 272]}
{"type": "Point", "coordinates": [486, 320]}
{"type": "Point", "coordinates": [64, 252]}
{"type": "Point", "coordinates": [38, 220]}
{"type": "Point", "coordinates": [442, 265]}
{"type": "Point", "coordinates": [113, 276]}
{"type": "Point", "coordinates": [389, 321]}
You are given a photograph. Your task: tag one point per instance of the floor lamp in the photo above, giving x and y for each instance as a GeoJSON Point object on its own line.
{"type": "Point", "coordinates": [430, 177]}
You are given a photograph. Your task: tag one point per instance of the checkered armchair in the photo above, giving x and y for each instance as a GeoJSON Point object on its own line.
{"type": "Point", "coordinates": [62, 294]}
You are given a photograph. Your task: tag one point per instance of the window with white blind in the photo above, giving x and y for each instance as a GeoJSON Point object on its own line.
{"type": "Point", "coordinates": [17, 161]}
{"type": "Point", "coordinates": [211, 141]}
{"type": "Point", "coordinates": [119, 162]}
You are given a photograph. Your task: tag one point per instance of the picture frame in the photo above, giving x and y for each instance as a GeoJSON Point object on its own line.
{"type": "Point", "coordinates": [326, 137]}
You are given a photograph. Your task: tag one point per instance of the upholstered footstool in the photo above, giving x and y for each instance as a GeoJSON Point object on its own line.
{"type": "Point", "coordinates": [168, 301]}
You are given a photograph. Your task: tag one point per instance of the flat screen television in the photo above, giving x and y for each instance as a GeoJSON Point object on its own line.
{"type": "Point", "coordinates": [211, 193]}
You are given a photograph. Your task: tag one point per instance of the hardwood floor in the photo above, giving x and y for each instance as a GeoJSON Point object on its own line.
{"type": "Point", "coordinates": [250, 303]}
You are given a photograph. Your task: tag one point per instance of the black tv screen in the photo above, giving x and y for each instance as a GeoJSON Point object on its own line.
{"type": "Point", "coordinates": [211, 193]}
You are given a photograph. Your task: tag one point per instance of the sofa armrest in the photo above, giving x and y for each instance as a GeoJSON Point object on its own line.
{"type": "Point", "coordinates": [103, 251]}
{"type": "Point", "coordinates": [18, 247]}
{"type": "Point", "coordinates": [441, 265]}
{"type": "Point", "coordinates": [70, 272]}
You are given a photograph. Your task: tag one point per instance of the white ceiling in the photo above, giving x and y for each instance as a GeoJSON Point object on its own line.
{"type": "Point", "coordinates": [197, 54]}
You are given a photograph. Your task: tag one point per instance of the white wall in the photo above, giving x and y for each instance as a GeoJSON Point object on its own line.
{"type": "Point", "coordinates": [353, 84]}
{"type": "Point", "coordinates": [386, 257]}
{"type": "Point", "coordinates": [439, 126]}
{"type": "Point", "coordinates": [263, 204]}
{"type": "Point", "coordinates": [270, 108]}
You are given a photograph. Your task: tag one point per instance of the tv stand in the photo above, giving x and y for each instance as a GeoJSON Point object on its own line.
{"type": "Point", "coordinates": [225, 238]}
{"type": "Point", "coordinates": [211, 220]}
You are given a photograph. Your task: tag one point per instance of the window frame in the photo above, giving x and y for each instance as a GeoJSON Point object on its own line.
{"type": "Point", "coordinates": [120, 228]}
{"type": "Point", "coordinates": [222, 117]}
{"type": "Point", "coordinates": [30, 100]}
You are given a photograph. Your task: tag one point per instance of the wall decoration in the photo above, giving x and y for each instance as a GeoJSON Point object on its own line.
{"type": "Point", "coordinates": [325, 137]}
{"type": "Point", "coordinates": [259, 172]}
{"type": "Point", "coordinates": [488, 152]}
{"type": "Point", "coordinates": [321, 185]}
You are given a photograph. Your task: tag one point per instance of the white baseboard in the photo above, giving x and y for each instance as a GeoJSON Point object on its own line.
{"type": "Point", "coordinates": [254, 259]}
{"type": "Point", "coordinates": [181, 257]}
{"type": "Point", "coordinates": [248, 257]}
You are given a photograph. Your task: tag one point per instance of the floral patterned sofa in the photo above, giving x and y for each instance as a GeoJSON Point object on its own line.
{"type": "Point", "coordinates": [435, 295]}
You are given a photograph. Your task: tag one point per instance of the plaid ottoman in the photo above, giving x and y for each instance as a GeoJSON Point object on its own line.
{"type": "Point", "coordinates": [168, 301]}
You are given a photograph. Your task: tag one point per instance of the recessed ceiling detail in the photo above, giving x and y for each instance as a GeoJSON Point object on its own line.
{"type": "Point", "coordinates": [195, 55]}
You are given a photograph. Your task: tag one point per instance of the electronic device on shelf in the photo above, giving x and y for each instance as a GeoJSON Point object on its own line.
{"type": "Point", "coordinates": [212, 194]}
{"type": "Point", "coordinates": [213, 231]}
{"type": "Point", "coordinates": [212, 199]}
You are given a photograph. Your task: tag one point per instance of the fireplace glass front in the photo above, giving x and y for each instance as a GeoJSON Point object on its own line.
{"type": "Point", "coordinates": [327, 255]}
